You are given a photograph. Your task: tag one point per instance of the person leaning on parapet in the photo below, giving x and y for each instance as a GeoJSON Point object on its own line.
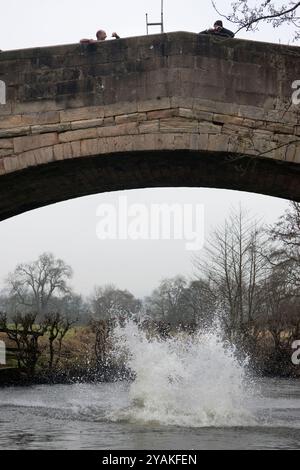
{"type": "Point", "coordinates": [219, 30]}
{"type": "Point", "coordinates": [100, 35]}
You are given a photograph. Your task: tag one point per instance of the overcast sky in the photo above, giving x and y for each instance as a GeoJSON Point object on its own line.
{"type": "Point", "coordinates": [68, 229]}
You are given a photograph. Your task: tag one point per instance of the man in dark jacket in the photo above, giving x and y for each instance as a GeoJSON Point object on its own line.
{"type": "Point", "coordinates": [219, 30]}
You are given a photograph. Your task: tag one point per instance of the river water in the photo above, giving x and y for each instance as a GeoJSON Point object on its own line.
{"type": "Point", "coordinates": [188, 394]}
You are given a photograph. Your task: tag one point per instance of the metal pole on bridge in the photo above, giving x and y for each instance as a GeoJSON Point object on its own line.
{"type": "Point", "coordinates": [161, 24]}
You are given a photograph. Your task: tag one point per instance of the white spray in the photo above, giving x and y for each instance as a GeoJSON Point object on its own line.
{"type": "Point", "coordinates": [192, 381]}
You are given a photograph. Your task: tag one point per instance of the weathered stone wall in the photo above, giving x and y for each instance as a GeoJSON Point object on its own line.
{"type": "Point", "coordinates": [177, 109]}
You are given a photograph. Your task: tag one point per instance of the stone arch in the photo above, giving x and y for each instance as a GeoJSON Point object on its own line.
{"type": "Point", "coordinates": [69, 178]}
{"type": "Point", "coordinates": [177, 109]}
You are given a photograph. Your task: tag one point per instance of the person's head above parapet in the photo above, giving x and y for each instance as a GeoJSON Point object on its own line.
{"type": "Point", "coordinates": [101, 35]}
{"type": "Point", "coordinates": [219, 30]}
{"type": "Point", "coordinates": [218, 24]}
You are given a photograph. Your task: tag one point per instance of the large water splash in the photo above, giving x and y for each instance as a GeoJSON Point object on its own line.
{"type": "Point", "coordinates": [193, 381]}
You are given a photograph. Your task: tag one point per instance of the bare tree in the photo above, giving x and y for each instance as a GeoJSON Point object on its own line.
{"type": "Point", "coordinates": [286, 234]}
{"type": "Point", "coordinates": [110, 303]}
{"type": "Point", "coordinates": [25, 333]}
{"type": "Point", "coordinates": [235, 265]}
{"type": "Point", "coordinates": [249, 15]}
{"type": "Point", "coordinates": [275, 307]}
{"type": "Point", "coordinates": [56, 325]}
{"type": "Point", "coordinates": [110, 306]}
{"type": "Point", "coordinates": [70, 305]}
{"type": "Point", "coordinates": [167, 302]}
{"type": "Point", "coordinates": [33, 285]}
{"type": "Point", "coordinates": [201, 300]}
{"type": "Point", "coordinates": [102, 330]}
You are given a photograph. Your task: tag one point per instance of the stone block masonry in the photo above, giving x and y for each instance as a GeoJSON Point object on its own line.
{"type": "Point", "coordinates": [177, 109]}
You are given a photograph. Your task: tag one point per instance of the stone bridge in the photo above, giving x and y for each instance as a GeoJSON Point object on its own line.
{"type": "Point", "coordinates": [172, 110]}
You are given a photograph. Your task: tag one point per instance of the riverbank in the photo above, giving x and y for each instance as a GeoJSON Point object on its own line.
{"type": "Point", "coordinates": [75, 361]}
{"type": "Point", "coordinates": [15, 377]}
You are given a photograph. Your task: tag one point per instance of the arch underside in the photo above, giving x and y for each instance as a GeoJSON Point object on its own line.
{"type": "Point", "coordinates": [58, 181]}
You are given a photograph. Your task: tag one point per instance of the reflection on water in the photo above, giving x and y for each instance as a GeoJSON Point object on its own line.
{"type": "Point", "coordinates": [78, 417]}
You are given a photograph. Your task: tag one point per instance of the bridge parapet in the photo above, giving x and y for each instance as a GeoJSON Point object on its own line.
{"type": "Point", "coordinates": [177, 92]}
